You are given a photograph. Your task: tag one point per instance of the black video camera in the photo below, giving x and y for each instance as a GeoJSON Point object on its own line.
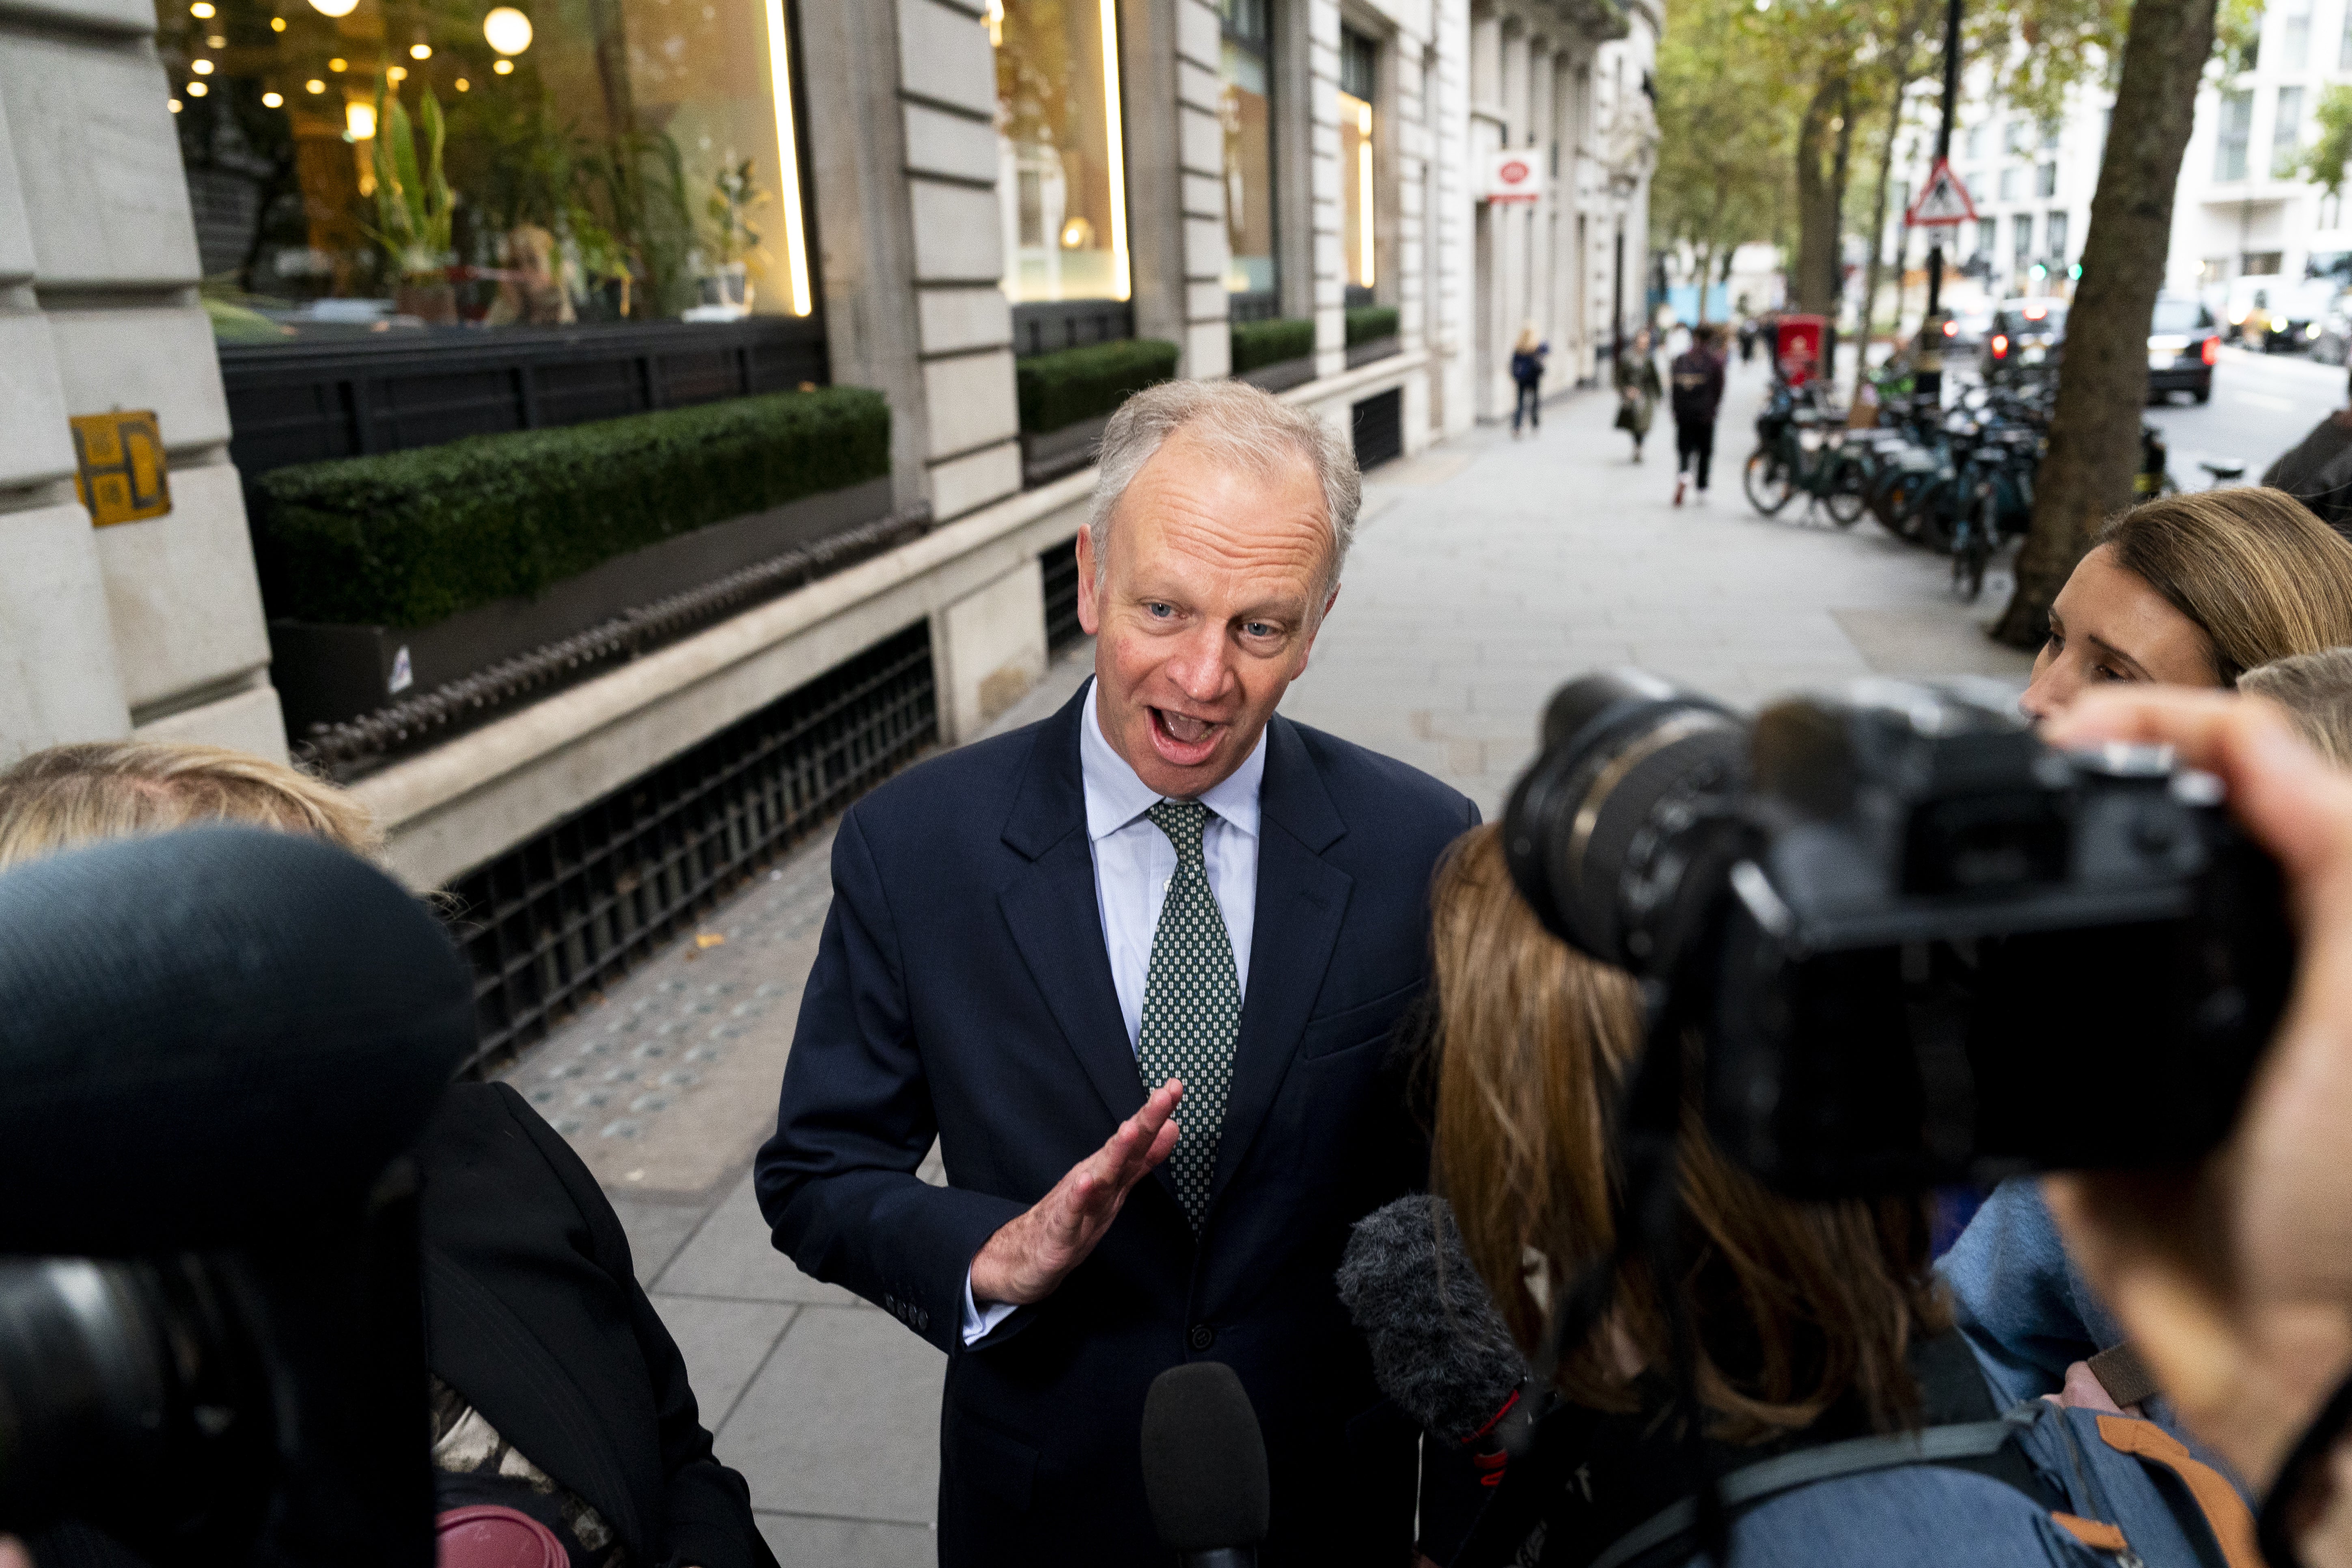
{"type": "Point", "coordinates": [1916, 943]}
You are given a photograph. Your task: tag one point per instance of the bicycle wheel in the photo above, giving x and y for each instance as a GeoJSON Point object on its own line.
{"type": "Point", "coordinates": [1843, 497]}
{"type": "Point", "coordinates": [1766, 480]}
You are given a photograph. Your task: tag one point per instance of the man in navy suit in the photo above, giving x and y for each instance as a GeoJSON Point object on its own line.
{"type": "Point", "coordinates": [1136, 968]}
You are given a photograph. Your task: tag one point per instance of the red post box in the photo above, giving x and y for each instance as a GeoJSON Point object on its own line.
{"type": "Point", "coordinates": [1797, 349]}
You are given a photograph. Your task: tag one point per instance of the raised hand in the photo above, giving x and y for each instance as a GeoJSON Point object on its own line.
{"type": "Point", "coordinates": [1028, 1258]}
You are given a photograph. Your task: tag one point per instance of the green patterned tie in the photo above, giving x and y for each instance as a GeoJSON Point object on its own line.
{"type": "Point", "coordinates": [1191, 1007]}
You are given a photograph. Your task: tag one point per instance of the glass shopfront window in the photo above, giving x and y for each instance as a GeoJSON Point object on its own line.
{"type": "Point", "coordinates": [1062, 174]}
{"type": "Point", "coordinates": [1359, 155]}
{"type": "Point", "coordinates": [365, 165]}
{"type": "Point", "coordinates": [1246, 66]}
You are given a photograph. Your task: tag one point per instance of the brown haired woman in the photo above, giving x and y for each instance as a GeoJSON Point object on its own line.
{"type": "Point", "coordinates": [1815, 1323]}
{"type": "Point", "coordinates": [2196, 590]}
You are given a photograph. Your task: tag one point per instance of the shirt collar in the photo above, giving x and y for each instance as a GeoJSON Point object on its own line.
{"type": "Point", "coordinates": [1115, 796]}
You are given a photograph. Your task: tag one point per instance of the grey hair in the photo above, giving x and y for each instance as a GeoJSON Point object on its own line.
{"type": "Point", "coordinates": [2315, 688]}
{"type": "Point", "coordinates": [1240, 427]}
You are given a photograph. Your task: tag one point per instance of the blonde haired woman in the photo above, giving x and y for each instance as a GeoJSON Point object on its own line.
{"type": "Point", "coordinates": [1528, 353]}
{"type": "Point", "coordinates": [556, 1393]}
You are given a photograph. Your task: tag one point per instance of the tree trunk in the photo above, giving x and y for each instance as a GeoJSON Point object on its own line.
{"type": "Point", "coordinates": [1836, 282]}
{"type": "Point", "coordinates": [1817, 200]}
{"type": "Point", "coordinates": [1706, 261]}
{"type": "Point", "coordinates": [2103, 381]}
{"type": "Point", "coordinates": [1902, 84]}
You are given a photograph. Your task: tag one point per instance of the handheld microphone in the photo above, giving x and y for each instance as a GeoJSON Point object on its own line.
{"type": "Point", "coordinates": [212, 1036]}
{"type": "Point", "coordinates": [1440, 1351]}
{"type": "Point", "coordinates": [1204, 1467]}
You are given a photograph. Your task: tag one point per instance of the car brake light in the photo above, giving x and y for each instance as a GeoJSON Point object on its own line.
{"type": "Point", "coordinates": [1999, 346]}
{"type": "Point", "coordinates": [1951, 329]}
{"type": "Point", "coordinates": [2035, 313]}
{"type": "Point", "coordinates": [2207, 353]}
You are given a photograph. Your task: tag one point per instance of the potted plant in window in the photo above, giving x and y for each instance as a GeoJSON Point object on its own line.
{"type": "Point", "coordinates": [735, 194]}
{"type": "Point", "coordinates": [413, 204]}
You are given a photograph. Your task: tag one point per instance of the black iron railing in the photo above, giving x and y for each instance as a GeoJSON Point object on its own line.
{"type": "Point", "coordinates": [305, 401]}
{"type": "Point", "coordinates": [564, 913]}
{"type": "Point", "coordinates": [1262, 305]}
{"type": "Point", "coordinates": [1060, 565]}
{"type": "Point", "coordinates": [1048, 326]}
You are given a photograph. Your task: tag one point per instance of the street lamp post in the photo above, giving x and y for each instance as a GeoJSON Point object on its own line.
{"type": "Point", "coordinates": [1930, 380]}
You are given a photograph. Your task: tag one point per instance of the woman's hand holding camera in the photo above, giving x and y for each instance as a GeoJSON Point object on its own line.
{"type": "Point", "coordinates": [2235, 1278]}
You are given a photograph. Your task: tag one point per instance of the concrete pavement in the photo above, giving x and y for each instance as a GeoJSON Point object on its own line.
{"type": "Point", "coordinates": [1486, 572]}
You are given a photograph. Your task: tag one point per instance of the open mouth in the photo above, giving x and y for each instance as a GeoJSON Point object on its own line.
{"type": "Point", "coordinates": [1183, 739]}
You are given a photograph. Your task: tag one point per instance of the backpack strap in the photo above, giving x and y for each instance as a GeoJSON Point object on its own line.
{"type": "Point", "coordinates": [2224, 1511]}
{"type": "Point", "coordinates": [1754, 1483]}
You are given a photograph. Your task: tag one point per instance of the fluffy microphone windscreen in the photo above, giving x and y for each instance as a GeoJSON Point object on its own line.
{"type": "Point", "coordinates": [1203, 1460]}
{"type": "Point", "coordinates": [1440, 1351]}
{"type": "Point", "coordinates": [210, 1038]}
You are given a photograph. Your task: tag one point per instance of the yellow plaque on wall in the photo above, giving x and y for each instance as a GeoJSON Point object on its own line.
{"type": "Point", "coordinates": [122, 474]}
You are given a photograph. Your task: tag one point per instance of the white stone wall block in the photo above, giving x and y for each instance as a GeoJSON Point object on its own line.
{"type": "Point", "coordinates": [1208, 351]}
{"type": "Point", "coordinates": [98, 164]}
{"type": "Point", "coordinates": [971, 401]}
{"type": "Point", "coordinates": [943, 54]}
{"type": "Point", "coordinates": [1199, 86]}
{"type": "Point", "coordinates": [968, 483]}
{"type": "Point", "coordinates": [1197, 37]}
{"type": "Point", "coordinates": [181, 591]}
{"type": "Point", "coordinates": [59, 680]}
{"type": "Point", "coordinates": [1205, 301]}
{"type": "Point", "coordinates": [1205, 248]}
{"type": "Point", "coordinates": [164, 360]}
{"type": "Point", "coordinates": [1204, 194]}
{"type": "Point", "coordinates": [958, 235]}
{"type": "Point", "coordinates": [251, 721]}
{"type": "Point", "coordinates": [952, 320]}
{"type": "Point", "coordinates": [1202, 140]}
{"type": "Point", "coordinates": [939, 142]}
{"type": "Point", "coordinates": [15, 234]}
{"type": "Point", "coordinates": [35, 443]}
{"type": "Point", "coordinates": [989, 646]}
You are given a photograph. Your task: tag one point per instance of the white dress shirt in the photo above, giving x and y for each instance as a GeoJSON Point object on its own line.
{"type": "Point", "coordinates": [1134, 863]}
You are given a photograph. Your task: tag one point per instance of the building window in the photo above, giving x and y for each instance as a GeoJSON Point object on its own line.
{"type": "Point", "coordinates": [2021, 240]}
{"type": "Point", "coordinates": [1359, 155]}
{"type": "Point", "coordinates": [2331, 210]}
{"type": "Point", "coordinates": [1243, 108]}
{"type": "Point", "coordinates": [2294, 31]}
{"type": "Point", "coordinates": [2045, 180]}
{"type": "Point", "coordinates": [2344, 45]}
{"type": "Point", "coordinates": [1975, 141]}
{"type": "Point", "coordinates": [2018, 139]}
{"type": "Point", "coordinates": [358, 166]}
{"type": "Point", "coordinates": [1061, 156]}
{"type": "Point", "coordinates": [2235, 129]}
{"type": "Point", "coordinates": [2286, 133]}
{"type": "Point", "coordinates": [2260, 263]}
{"type": "Point", "coordinates": [1988, 237]}
{"type": "Point", "coordinates": [2054, 235]}
{"type": "Point", "coordinates": [2013, 183]}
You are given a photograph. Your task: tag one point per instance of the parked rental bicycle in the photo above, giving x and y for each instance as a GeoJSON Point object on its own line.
{"type": "Point", "coordinates": [1800, 451]}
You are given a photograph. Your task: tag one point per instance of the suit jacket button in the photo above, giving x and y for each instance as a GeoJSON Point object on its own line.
{"type": "Point", "coordinates": [1201, 1337]}
{"type": "Point", "coordinates": [923, 1318]}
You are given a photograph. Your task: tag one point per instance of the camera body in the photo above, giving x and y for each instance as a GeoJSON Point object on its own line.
{"type": "Point", "coordinates": [1917, 944]}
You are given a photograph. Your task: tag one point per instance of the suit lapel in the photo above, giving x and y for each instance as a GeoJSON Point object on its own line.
{"type": "Point", "coordinates": [1050, 908]}
{"type": "Point", "coordinates": [1301, 900]}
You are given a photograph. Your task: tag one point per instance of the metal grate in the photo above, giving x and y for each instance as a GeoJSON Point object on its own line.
{"type": "Point", "coordinates": [1060, 565]}
{"type": "Point", "coordinates": [564, 913]}
{"type": "Point", "coordinates": [1377, 424]}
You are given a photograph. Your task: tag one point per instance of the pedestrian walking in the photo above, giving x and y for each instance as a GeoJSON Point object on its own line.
{"type": "Point", "coordinates": [1697, 376]}
{"type": "Point", "coordinates": [1528, 355]}
{"type": "Point", "coordinates": [1747, 331]}
{"type": "Point", "coordinates": [1638, 390]}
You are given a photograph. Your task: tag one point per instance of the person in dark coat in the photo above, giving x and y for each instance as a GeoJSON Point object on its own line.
{"type": "Point", "coordinates": [2317, 471]}
{"type": "Point", "coordinates": [553, 1389]}
{"type": "Point", "coordinates": [1035, 956]}
{"type": "Point", "coordinates": [1697, 374]}
{"type": "Point", "coordinates": [1638, 390]}
{"type": "Point", "coordinates": [1528, 355]}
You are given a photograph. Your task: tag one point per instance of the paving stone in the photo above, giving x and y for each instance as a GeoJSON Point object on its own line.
{"type": "Point", "coordinates": [657, 1230]}
{"type": "Point", "coordinates": [731, 1257]}
{"type": "Point", "coordinates": [725, 1344]}
{"type": "Point", "coordinates": [843, 1420]}
{"type": "Point", "coordinates": [797, 1539]}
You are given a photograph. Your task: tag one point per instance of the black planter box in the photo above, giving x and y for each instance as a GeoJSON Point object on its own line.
{"type": "Point", "coordinates": [326, 674]}
{"type": "Point", "coordinates": [1281, 376]}
{"type": "Point", "coordinates": [1371, 349]}
{"type": "Point", "coordinates": [1057, 452]}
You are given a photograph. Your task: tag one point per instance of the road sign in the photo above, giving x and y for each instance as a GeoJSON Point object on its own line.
{"type": "Point", "coordinates": [1514, 174]}
{"type": "Point", "coordinates": [1944, 200]}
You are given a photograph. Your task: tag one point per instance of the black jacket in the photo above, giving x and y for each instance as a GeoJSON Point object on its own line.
{"type": "Point", "coordinates": [962, 989]}
{"type": "Point", "coordinates": [1699, 386]}
{"type": "Point", "coordinates": [533, 1313]}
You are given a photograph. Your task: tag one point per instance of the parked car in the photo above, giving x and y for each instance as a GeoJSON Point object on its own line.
{"type": "Point", "coordinates": [1965, 333]}
{"type": "Point", "coordinates": [2183, 339]}
{"type": "Point", "coordinates": [2270, 311]}
{"type": "Point", "coordinates": [2024, 339]}
{"type": "Point", "coordinates": [2333, 344]}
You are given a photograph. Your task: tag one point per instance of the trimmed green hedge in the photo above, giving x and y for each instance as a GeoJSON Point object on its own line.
{"type": "Point", "coordinates": [1261, 343]}
{"type": "Point", "coordinates": [411, 538]}
{"type": "Point", "coordinates": [1368, 323]}
{"type": "Point", "coordinates": [1058, 390]}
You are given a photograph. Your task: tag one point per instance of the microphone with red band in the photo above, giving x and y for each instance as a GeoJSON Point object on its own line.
{"type": "Point", "coordinates": [1440, 1351]}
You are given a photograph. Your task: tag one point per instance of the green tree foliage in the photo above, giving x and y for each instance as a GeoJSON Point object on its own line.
{"type": "Point", "coordinates": [2324, 159]}
{"type": "Point", "coordinates": [1722, 171]}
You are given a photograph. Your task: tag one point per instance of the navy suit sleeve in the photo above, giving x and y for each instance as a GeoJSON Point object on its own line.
{"type": "Point", "coordinates": [837, 1182]}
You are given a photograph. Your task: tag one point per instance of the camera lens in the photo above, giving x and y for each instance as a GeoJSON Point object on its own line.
{"type": "Point", "coordinates": [1598, 832]}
